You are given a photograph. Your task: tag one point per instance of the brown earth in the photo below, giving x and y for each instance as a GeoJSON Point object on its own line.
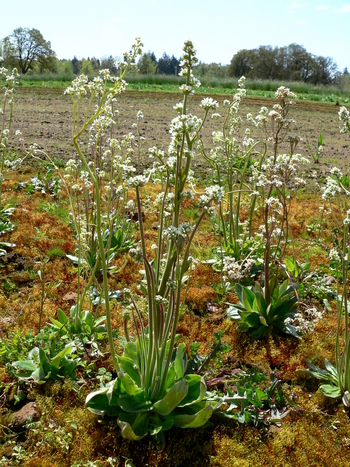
{"type": "Point", "coordinates": [45, 117]}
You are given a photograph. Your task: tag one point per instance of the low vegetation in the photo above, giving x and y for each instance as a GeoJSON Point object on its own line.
{"type": "Point", "coordinates": [153, 316]}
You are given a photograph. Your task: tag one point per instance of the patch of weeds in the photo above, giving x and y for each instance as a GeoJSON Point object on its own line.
{"type": "Point", "coordinates": [59, 163]}
{"type": "Point", "coordinates": [32, 273]}
{"type": "Point", "coordinates": [261, 405]}
{"type": "Point", "coordinates": [345, 181]}
{"type": "Point", "coordinates": [55, 209]}
{"type": "Point", "coordinates": [12, 202]}
{"type": "Point", "coordinates": [313, 251]}
{"type": "Point", "coordinates": [315, 286]}
{"type": "Point", "coordinates": [300, 193]}
{"type": "Point", "coordinates": [198, 363]}
{"type": "Point", "coordinates": [202, 253]}
{"type": "Point", "coordinates": [190, 213]}
{"type": "Point", "coordinates": [5, 224]}
{"type": "Point", "coordinates": [9, 286]}
{"type": "Point", "coordinates": [15, 347]}
{"type": "Point", "coordinates": [55, 252]}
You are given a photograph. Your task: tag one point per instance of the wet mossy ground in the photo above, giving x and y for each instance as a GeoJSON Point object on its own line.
{"type": "Point", "coordinates": [316, 433]}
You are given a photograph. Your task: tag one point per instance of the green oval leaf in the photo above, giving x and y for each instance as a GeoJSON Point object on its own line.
{"type": "Point", "coordinates": [172, 399]}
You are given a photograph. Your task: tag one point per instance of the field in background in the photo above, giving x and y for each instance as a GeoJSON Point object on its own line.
{"type": "Point", "coordinates": [169, 83]}
{"type": "Point", "coordinates": [44, 116]}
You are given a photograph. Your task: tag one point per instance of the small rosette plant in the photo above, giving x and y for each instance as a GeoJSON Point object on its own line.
{"type": "Point", "coordinates": [260, 318]}
{"type": "Point", "coordinates": [181, 404]}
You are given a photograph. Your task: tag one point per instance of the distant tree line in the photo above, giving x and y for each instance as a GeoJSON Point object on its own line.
{"type": "Point", "coordinates": [165, 65]}
{"type": "Point", "coordinates": [27, 50]}
{"type": "Point", "coordinates": [292, 63]}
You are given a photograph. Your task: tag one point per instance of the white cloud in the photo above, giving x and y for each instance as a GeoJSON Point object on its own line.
{"type": "Point", "coordinates": [343, 9]}
{"type": "Point", "coordinates": [323, 7]}
{"type": "Point", "coordinates": [301, 21]}
{"type": "Point", "coordinates": [296, 6]}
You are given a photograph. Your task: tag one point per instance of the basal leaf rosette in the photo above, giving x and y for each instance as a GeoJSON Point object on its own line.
{"type": "Point", "coordinates": [183, 403]}
{"type": "Point", "coordinates": [259, 318]}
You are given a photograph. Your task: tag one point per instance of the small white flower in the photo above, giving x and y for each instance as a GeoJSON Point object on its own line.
{"type": "Point", "coordinates": [209, 104]}
{"type": "Point", "coordinates": [334, 255]}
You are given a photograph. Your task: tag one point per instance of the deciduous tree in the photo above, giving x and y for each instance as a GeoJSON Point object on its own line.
{"type": "Point", "coordinates": [27, 49]}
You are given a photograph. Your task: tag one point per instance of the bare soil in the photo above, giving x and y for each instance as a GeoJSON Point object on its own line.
{"type": "Point", "coordinates": [44, 116]}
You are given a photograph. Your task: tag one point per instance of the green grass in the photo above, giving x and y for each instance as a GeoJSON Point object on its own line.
{"type": "Point", "coordinates": [55, 209]}
{"type": "Point", "coordinates": [210, 85]}
{"type": "Point", "coordinates": [55, 252]}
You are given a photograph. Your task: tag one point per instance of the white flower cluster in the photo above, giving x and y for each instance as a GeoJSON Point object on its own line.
{"type": "Point", "coordinates": [275, 115]}
{"type": "Point", "coordinates": [237, 97]}
{"type": "Point", "coordinates": [131, 56]}
{"type": "Point", "coordinates": [283, 94]}
{"type": "Point", "coordinates": [331, 190]}
{"type": "Point", "coordinates": [248, 142]}
{"type": "Point", "coordinates": [15, 164]}
{"type": "Point", "coordinates": [181, 125]}
{"type": "Point", "coordinates": [161, 300]}
{"type": "Point", "coordinates": [11, 80]}
{"type": "Point", "coordinates": [209, 104]}
{"type": "Point", "coordinates": [178, 107]}
{"type": "Point", "coordinates": [154, 152]}
{"type": "Point", "coordinates": [83, 234]}
{"type": "Point", "coordinates": [185, 229]}
{"type": "Point", "coordinates": [174, 233]}
{"type": "Point", "coordinates": [85, 178]}
{"type": "Point", "coordinates": [274, 232]}
{"type": "Point", "coordinates": [305, 322]}
{"type": "Point", "coordinates": [334, 255]}
{"type": "Point", "coordinates": [236, 271]}
{"type": "Point", "coordinates": [336, 172]}
{"type": "Point", "coordinates": [137, 181]}
{"type": "Point", "coordinates": [218, 137]}
{"type": "Point", "coordinates": [136, 253]}
{"type": "Point", "coordinates": [241, 82]}
{"type": "Point", "coordinates": [185, 123]}
{"type": "Point", "coordinates": [124, 166]}
{"type": "Point", "coordinates": [275, 205]}
{"type": "Point", "coordinates": [215, 193]}
{"type": "Point", "coordinates": [281, 172]}
{"type": "Point", "coordinates": [4, 135]}
{"type": "Point", "coordinates": [81, 86]}
{"type": "Point", "coordinates": [188, 55]}
{"type": "Point", "coordinates": [261, 118]}
{"type": "Point", "coordinates": [102, 122]}
{"type": "Point", "coordinates": [70, 169]}
{"type": "Point", "coordinates": [346, 221]}
{"type": "Point", "coordinates": [344, 117]}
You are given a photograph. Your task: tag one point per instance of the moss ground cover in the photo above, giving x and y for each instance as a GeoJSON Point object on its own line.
{"type": "Point", "coordinates": [102, 301]}
{"type": "Point", "coordinates": [317, 433]}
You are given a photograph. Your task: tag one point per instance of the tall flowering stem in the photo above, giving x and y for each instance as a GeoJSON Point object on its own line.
{"type": "Point", "coordinates": [6, 121]}
{"type": "Point", "coordinates": [100, 120]}
{"type": "Point", "coordinates": [278, 173]}
{"type": "Point", "coordinates": [165, 275]}
{"type": "Point", "coordinates": [335, 190]}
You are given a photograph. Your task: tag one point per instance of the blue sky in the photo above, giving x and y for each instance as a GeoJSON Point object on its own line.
{"type": "Point", "coordinates": [218, 29]}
